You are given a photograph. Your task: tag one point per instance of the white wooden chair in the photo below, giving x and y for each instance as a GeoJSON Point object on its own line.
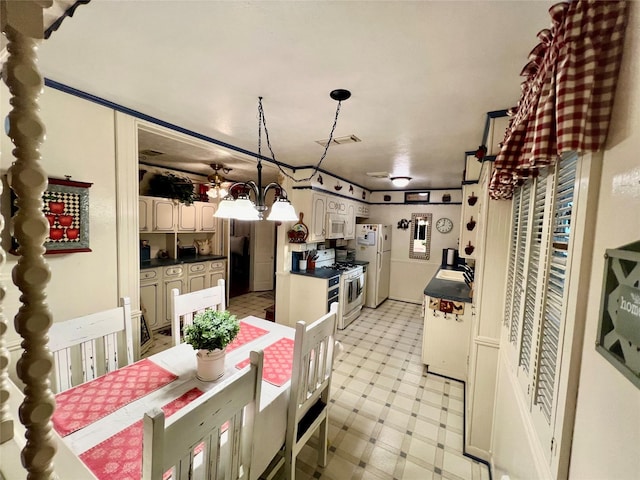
{"type": "Point", "coordinates": [185, 306]}
{"type": "Point", "coordinates": [313, 356]}
{"type": "Point", "coordinates": [87, 347]}
{"type": "Point", "coordinates": [210, 438]}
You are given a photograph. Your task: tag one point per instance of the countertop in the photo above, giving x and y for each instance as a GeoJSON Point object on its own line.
{"type": "Point", "coordinates": [448, 289]}
{"type": "Point", "coordinates": [322, 272]}
{"type": "Point", "coordinates": [167, 262]}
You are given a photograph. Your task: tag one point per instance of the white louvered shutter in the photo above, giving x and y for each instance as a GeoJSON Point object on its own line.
{"type": "Point", "coordinates": [553, 311]}
{"type": "Point", "coordinates": [531, 288]}
{"type": "Point", "coordinates": [515, 225]}
{"type": "Point", "coordinates": [521, 250]}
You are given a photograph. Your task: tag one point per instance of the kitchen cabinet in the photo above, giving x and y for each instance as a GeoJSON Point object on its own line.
{"type": "Point", "coordinates": [187, 217]}
{"type": "Point", "coordinates": [362, 210]}
{"type": "Point", "coordinates": [196, 276]}
{"type": "Point", "coordinates": [350, 224]}
{"type": "Point", "coordinates": [445, 339]}
{"type": "Point", "coordinates": [145, 213]}
{"type": "Point", "coordinates": [151, 296]}
{"type": "Point", "coordinates": [164, 215]}
{"type": "Point", "coordinates": [156, 285]}
{"type": "Point", "coordinates": [172, 277]}
{"type": "Point", "coordinates": [217, 271]}
{"type": "Point", "coordinates": [206, 222]}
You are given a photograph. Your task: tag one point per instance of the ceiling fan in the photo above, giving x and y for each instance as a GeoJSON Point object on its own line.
{"type": "Point", "coordinates": [217, 183]}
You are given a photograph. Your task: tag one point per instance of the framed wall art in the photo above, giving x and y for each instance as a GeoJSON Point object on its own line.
{"type": "Point", "coordinates": [618, 338]}
{"type": "Point", "coordinates": [66, 208]}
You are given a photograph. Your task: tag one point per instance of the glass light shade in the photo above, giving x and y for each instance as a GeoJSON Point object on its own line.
{"type": "Point", "coordinates": [217, 192]}
{"type": "Point", "coordinates": [400, 181]}
{"type": "Point", "coordinates": [225, 208]}
{"type": "Point", "coordinates": [282, 211]}
{"type": "Point", "coordinates": [244, 209]}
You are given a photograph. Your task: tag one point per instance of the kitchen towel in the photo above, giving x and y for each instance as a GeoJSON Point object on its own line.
{"type": "Point", "coordinates": [82, 405]}
{"type": "Point", "coordinates": [120, 456]}
{"type": "Point", "coordinates": [277, 363]}
{"type": "Point", "coordinates": [246, 334]}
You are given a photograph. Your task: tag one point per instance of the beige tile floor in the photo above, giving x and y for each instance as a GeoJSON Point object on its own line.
{"type": "Point", "coordinates": [389, 419]}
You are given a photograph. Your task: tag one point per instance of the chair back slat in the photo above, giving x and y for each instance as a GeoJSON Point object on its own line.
{"type": "Point", "coordinates": [221, 420]}
{"type": "Point", "coordinates": [87, 347]}
{"type": "Point", "coordinates": [185, 306]}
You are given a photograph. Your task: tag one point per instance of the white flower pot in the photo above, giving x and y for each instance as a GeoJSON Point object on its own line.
{"type": "Point", "coordinates": [210, 364]}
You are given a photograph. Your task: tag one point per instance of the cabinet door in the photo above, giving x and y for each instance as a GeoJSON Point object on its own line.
{"type": "Point", "coordinates": [144, 213]}
{"type": "Point", "coordinates": [197, 276]}
{"type": "Point", "coordinates": [217, 271]}
{"type": "Point", "coordinates": [186, 218]}
{"type": "Point", "coordinates": [172, 277]}
{"type": "Point", "coordinates": [350, 225]}
{"type": "Point", "coordinates": [318, 218]}
{"type": "Point", "coordinates": [150, 296]}
{"type": "Point", "coordinates": [207, 222]}
{"type": "Point", "coordinates": [163, 215]}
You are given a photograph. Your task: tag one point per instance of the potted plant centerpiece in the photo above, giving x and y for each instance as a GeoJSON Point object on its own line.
{"type": "Point", "coordinates": [210, 333]}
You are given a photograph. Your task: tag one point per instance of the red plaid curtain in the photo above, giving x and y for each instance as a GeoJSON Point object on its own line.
{"type": "Point", "coordinates": [568, 91]}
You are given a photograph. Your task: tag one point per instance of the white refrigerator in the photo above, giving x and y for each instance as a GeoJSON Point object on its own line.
{"type": "Point", "coordinates": [373, 245]}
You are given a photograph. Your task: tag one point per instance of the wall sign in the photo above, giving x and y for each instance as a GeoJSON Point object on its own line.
{"type": "Point", "coordinates": [66, 208]}
{"type": "Point", "coordinates": [618, 338]}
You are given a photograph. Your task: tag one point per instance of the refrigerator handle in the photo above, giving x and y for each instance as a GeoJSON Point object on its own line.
{"type": "Point", "coordinates": [378, 256]}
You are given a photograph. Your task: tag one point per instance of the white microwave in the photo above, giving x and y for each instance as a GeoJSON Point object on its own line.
{"type": "Point", "coordinates": [336, 225]}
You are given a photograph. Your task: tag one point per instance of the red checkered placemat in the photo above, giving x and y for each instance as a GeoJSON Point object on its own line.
{"type": "Point", "coordinates": [120, 456]}
{"type": "Point", "coordinates": [82, 405]}
{"type": "Point", "coordinates": [278, 362]}
{"type": "Point", "coordinates": [246, 334]}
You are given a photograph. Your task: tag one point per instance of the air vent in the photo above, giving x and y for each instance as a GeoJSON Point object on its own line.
{"type": "Point", "coordinates": [340, 140]}
{"type": "Point", "coordinates": [378, 174]}
{"type": "Point", "coordinates": [150, 153]}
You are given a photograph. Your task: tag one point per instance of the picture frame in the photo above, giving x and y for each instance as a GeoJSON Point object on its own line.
{"type": "Point", "coordinates": [618, 335]}
{"type": "Point", "coordinates": [66, 208]}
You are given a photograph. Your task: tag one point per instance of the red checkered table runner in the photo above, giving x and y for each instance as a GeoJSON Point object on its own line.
{"type": "Point", "coordinates": [120, 456]}
{"type": "Point", "coordinates": [82, 405]}
{"type": "Point", "coordinates": [278, 362]}
{"type": "Point", "coordinates": [246, 334]}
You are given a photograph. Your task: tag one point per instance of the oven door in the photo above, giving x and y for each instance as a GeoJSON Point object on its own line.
{"type": "Point", "coordinates": [353, 291]}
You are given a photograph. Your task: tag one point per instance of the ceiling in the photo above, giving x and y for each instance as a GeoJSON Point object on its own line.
{"type": "Point", "coordinates": [422, 74]}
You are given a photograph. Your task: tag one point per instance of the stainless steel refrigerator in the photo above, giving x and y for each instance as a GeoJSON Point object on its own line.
{"type": "Point", "coordinates": [373, 245]}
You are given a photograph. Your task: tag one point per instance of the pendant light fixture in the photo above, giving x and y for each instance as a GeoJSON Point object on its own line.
{"type": "Point", "coordinates": [241, 207]}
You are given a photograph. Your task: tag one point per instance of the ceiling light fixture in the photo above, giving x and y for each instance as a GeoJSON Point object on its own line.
{"type": "Point", "coordinates": [216, 180]}
{"type": "Point", "coordinates": [400, 181]}
{"type": "Point", "coordinates": [241, 207]}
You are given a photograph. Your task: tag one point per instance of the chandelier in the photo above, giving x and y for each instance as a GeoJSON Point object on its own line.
{"type": "Point", "coordinates": [216, 181]}
{"type": "Point", "coordinates": [241, 207]}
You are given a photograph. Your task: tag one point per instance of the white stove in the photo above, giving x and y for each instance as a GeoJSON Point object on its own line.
{"type": "Point", "coordinates": [350, 289]}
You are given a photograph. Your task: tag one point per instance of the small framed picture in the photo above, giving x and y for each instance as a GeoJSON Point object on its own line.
{"type": "Point", "coordinates": [66, 208]}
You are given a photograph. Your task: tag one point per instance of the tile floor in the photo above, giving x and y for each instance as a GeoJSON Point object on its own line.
{"type": "Point", "coordinates": [389, 419]}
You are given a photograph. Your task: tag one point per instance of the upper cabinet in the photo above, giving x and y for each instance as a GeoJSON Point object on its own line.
{"type": "Point", "coordinates": [350, 225]}
{"type": "Point", "coordinates": [162, 215]}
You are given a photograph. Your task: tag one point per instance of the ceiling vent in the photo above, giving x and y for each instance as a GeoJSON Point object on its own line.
{"type": "Point", "coordinates": [340, 140]}
{"type": "Point", "coordinates": [378, 174]}
{"type": "Point", "coordinates": [150, 153]}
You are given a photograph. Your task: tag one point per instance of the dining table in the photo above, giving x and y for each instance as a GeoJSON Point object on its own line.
{"type": "Point", "coordinates": [177, 380]}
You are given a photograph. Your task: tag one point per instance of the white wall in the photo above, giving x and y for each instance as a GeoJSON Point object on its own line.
{"type": "Point", "coordinates": [409, 277]}
{"type": "Point", "coordinates": [80, 143]}
{"type": "Point", "coordinates": [607, 425]}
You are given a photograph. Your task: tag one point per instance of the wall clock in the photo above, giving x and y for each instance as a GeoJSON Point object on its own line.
{"type": "Point", "coordinates": [444, 225]}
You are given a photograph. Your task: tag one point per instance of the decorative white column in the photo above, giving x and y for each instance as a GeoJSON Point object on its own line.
{"type": "Point", "coordinates": [22, 23]}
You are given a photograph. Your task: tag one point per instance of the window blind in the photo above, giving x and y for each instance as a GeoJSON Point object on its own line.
{"type": "Point", "coordinates": [518, 278]}
{"type": "Point", "coordinates": [555, 286]}
{"type": "Point", "coordinates": [531, 290]}
{"type": "Point", "coordinates": [515, 225]}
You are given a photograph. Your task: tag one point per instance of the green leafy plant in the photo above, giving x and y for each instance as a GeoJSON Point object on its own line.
{"type": "Point", "coordinates": [212, 329]}
{"type": "Point", "coordinates": [169, 185]}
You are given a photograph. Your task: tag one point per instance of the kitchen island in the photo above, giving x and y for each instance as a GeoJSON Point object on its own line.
{"type": "Point", "coordinates": [447, 324]}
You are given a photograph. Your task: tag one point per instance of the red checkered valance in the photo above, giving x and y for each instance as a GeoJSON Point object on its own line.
{"type": "Point", "coordinates": [568, 91]}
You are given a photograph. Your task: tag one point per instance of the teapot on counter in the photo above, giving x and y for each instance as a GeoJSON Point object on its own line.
{"type": "Point", "coordinates": [203, 246]}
